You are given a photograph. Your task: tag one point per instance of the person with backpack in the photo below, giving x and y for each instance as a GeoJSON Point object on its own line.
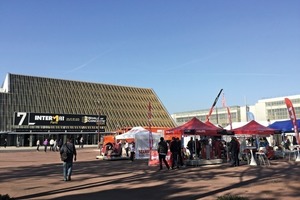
{"type": "Point", "coordinates": [162, 153]}
{"type": "Point", "coordinates": [68, 154]}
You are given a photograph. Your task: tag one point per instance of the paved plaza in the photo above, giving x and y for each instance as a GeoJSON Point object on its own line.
{"type": "Point", "coordinates": [28, 174]}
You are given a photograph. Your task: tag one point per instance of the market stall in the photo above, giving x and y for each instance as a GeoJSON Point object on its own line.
{"type": "Point", "coordinates": [141, 138]}
{"type": "Point", "coordinates": [249, 136]}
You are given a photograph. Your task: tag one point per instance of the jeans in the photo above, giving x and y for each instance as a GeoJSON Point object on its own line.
{"type": "Point", "coordinates": [67, 170]}
{"type": "Point", "coordinates": [162, 158]}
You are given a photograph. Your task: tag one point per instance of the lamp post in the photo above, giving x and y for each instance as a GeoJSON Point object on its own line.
{"type": "Point", "coordinates": [98, 123]}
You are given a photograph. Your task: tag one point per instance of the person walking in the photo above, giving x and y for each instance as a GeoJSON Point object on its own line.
{"type": "Point", "coordinates": [162, 150]}
{"type": "Point", "coordinates": [5, 143]}
{"type": "Point", "coordinates": [45, 143]}
{"type": "Point", "coordinates": [69, 150]}
{"type": "Point", "coordinates": [52, 144]}
{"type": "Point", "coordinates": [55, 145]}
{"type": "Point", "coordinates": [81, 142]}
{"type": "Point", "coordinates": [38, 145]}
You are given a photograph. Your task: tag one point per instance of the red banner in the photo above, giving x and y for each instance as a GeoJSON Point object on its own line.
{"type": "Point", "coordinates": [292, 114]}
{"type": "Point", "coordinates": [154, 160]}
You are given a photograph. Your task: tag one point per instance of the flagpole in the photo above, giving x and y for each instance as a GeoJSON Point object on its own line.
{"type": "Point", "coordinates": [150, 130]}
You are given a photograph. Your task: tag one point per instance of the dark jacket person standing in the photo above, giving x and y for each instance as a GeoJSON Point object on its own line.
{"type": "Point", "coordinates": [69, 148]}
{"type": "Point", "coordinates": [234, 149]}
{"type": "Point", "coordinates": [191, 148]}
{"type": "Point", "coordinates": [174, 150]}
{"type": "Point", "coordinates": [162, 150]}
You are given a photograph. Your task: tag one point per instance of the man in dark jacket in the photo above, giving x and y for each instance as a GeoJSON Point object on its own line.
{"type": "Point", "coordinates": [174, 152]}
{"type": "Point", "coordinates": [191, 148]}
{"type": "Point", "coordinates": [180, 157]}
{"type": "Point", "coordinates": [234, 148]}
{"type": "Point", "coordinates": [162, 150]}
{"type": "Point", "coordinates": [68, 148]}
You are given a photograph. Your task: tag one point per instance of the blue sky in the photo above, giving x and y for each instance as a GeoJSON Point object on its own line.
{"type": "Point", "coordinates": [185, 50]}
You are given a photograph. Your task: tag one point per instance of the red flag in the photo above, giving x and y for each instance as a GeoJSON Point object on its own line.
{"type": "Point", "coordinates": [292, 114]}
{"type": "Point", "coordinates": [214, 104]}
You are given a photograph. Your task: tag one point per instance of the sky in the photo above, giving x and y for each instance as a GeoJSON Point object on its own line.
{"type": "Point", "coordinates": [186, 51]}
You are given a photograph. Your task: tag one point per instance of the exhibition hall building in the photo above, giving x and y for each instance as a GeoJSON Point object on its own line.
{"type": "Point", "coordinates": [38, 108]}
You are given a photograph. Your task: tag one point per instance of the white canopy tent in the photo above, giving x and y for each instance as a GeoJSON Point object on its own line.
{"type": "Point", "coordinates": [141, 138]}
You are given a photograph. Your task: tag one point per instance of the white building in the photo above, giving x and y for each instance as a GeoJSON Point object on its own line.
{"type": "Point", "coordinates": [273, 109]}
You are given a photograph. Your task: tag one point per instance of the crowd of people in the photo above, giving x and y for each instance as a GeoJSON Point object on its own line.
{"type": "Point", "coordinates": [209, 148]}
{"type": "Point", "coordinates": [53, 144]}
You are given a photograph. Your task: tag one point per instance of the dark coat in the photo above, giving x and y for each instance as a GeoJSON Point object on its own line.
{"type": "Point", "coordinates": [234, 146]}
{"type": "Point", "coordinates": [191, 145]}
{"type": "Point", "coordinates": [174, 146]}
{"type": "Point", "coordinates": [162, 147]}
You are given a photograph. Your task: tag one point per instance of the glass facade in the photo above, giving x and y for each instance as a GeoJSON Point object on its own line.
{"type": "Point", "coordinates": [277, 110]}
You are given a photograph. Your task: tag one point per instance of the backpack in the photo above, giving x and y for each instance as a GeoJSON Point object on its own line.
{"type": "Point", "coordinates": [64, 154]}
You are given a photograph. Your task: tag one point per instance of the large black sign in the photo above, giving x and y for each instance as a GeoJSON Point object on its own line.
{"type": "Point", "coordinates": [47, 119]}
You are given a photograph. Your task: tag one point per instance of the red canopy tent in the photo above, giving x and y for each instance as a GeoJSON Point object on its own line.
{"type": "Point", "coordinates": [254, 128]}
{"type": "Point", "coordinates": [192, 127]}
{"type": "Point", "coordinates": [211, 124]}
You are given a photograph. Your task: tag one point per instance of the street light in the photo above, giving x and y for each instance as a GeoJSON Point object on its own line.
{"type": "Point", "coordinates": [98, 122]}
